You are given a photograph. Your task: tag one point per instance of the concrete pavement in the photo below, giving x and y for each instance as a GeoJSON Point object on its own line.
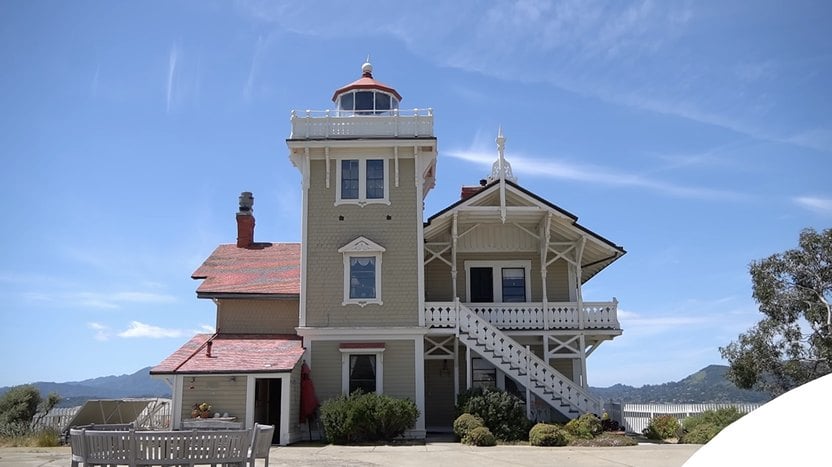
{"type": "Point", "coordinates": [435, 454]}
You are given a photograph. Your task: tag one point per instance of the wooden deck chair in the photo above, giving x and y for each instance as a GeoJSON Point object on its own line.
{"type": "Point", "coordinates": [261, 442]}
{"type": "Point", "coordinates": [76, 443]}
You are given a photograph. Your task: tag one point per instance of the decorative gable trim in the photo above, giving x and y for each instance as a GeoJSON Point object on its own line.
{"type": "Point", "coordinates": [362, 245]}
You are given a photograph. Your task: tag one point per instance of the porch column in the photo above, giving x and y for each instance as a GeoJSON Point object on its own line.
{"type": "Point", "coordinates": [454, 238]}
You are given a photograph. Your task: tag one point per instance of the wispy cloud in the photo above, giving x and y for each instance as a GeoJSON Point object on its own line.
{"type": "Point", "coordinates": [822, 206]}
{"type": "Point", "coordinates": [254, 67]}
{"type": "Point", "coordinates": [101, 332]}
{"type": "Point", "coordinates": [564, 170]}
{"type": "Point", "coordinates": [173, 58]}
{"type": "Point", "coordinates": [138, 329]}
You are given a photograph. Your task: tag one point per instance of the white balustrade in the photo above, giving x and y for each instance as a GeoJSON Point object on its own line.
{"type": "Point", "coordinates": [339, 124]}
{"type": "Point", "coordinates": [529, 315]}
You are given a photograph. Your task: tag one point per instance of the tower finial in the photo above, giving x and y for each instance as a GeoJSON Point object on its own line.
{"type": "Point", "coordinates": [367, 68]}
{"type": "Point", "coordinates": [501, 169]}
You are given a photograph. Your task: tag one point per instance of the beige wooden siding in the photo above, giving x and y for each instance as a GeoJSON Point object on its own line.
{"type": "Point", "coordinates": [394, 227]}
{"type": "Point", "coordinates": [220, 392]}
{"type": "Point", "coordinates": [238, 316]}
{"type": "Point", "coordinates": [326, 369]}
{"type": "Point", "coordinates": [557, 281]}
{"type": "Point", "coordinates": [438, 282]}
{"type": "Point", "coordinates": [439, 393]}
{"type": "Point", "coordinates": [399, 372]}
{"type": "Point", "coordinates": [563, 365]}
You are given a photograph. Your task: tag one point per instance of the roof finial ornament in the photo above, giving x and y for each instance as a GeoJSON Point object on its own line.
{"type": "Point", "coordinates": [501, 169]}
{"type": "Point", "coordinates": [367, 68]}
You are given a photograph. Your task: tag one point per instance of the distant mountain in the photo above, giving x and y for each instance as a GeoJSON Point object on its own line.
{"type": "Point", "coordinates": [706, 385]}
{"type": "Point", "coordinates": [138, 384]}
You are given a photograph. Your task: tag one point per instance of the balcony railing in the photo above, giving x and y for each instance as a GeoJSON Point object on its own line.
{"type": "Point", "coordinates": [337, 124]}
{"type": "Point", "coordinates": [529, 315]}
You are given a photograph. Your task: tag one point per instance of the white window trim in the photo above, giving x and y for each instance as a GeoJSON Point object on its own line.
{"type": "Point", "coordinates": [361, 247]}
{"type": "Point", "coordinates": [362, 199]}
{"type": "Point", "coordinates": [497, 285]}
{"type": "Point", "coordinates": [345, 367]}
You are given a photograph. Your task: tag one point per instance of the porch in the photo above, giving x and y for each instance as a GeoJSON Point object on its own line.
{"type": "Point", "coordinates": [529, 316]}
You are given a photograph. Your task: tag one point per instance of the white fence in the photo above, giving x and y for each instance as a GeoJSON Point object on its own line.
{"type": "Point", "coordinates": [635, 417]}
{"type": "Point", "coordinates": [156, 416]}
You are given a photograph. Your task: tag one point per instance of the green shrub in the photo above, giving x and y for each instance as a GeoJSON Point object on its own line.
{"type": "Point", "coordinates": [502, 412]}
{"type": "Point", "coordinates": [544, 434]}
{"type": "Point", "coordinates": [663, 427]}
{"type": "Point", "coordinates": [14, 429]}
{"type": "Point", "coordinates": [701, 434]}
{"type": "Point", "coordinates": [701, 428]}
{"type": "Point", "coordinates": [366, 417]}
{"type": "Point", "coordinates": [465, 423]}
{"type": "Point", "coordinates": [587, 426]}
{"type": "Point", "coordinates": [463, 397]}
{"type": "Point", "coordinates": [480, 436]}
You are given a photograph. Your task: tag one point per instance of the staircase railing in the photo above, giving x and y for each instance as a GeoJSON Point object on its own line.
{"type": "Point", "coordinates": [514, 359]}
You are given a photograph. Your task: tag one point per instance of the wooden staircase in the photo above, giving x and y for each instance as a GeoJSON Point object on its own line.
{"type": "Point", "coordinates": [525, 367]}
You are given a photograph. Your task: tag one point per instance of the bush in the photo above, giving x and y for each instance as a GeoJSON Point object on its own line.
{"type": "Point", "coordinates": [366, 417]}
{"type": "Point", "coordinates": [663, 427]}
{"type": "Point", "coordinates": [500, 411]}
{"type": "Point", "coordinates": [544, 434]}
{"type": "Point", "coordinates": [701, 428]}
{"type": "Point", "coordinates": [480, 436]}
{"type": "Point", "coordinates": [587, 426]}
{"type": "Point", "coordinates": [701, 434]}
{"type": "Point", "coordinates": [465, 423]}
{"type": "Point", "coordinates": [605, 440]}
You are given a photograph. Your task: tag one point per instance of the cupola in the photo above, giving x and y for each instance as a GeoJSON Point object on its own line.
{"type": "Point", "coordinates": [366, 96]}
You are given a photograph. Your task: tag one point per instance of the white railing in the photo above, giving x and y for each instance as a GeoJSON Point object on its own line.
{"type": "Point", "coordinates": [522, 364]}
{"type": "Point", "coordinates": [635, 417]}
{"type": "Point", "coordinates": [530, 315]}
{"type": "Point", "coordinates": [335, 124]}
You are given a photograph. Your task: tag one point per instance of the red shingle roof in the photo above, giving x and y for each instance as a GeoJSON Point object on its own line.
{"type": "Point", "coordinates": [234, 353]}
{"type": "Point", "coordinates": [263, 268]}
{"type": "Point", "coordinates": [366, 82]}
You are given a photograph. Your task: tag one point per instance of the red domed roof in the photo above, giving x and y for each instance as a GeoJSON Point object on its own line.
{"type": "Point", "coordinates": [366, 82]}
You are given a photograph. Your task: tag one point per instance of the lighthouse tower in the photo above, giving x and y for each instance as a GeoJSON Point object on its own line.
{"type": "Point", "coordinates": [366, 168]}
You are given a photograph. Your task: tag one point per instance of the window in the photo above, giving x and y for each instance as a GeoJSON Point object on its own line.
{"type": "Point", "coordinates": [362, 373]}
{"type": "Point", "coordinates": [366, 103]}
{"type": "Point", "coordinates": [361, 181]}
{"type": "Point", "coordinates": [349, 179]}
{"type": "Point", "coordinates": [362, 367]}
{"type": "Point", "coordinates": [514, 284]}
{"type": "Point", "coordinates": [362, 272]}
{"type": "Point", "coordinates": [483, 374]}
{"type": "Point", "coordinates": [498, 281]}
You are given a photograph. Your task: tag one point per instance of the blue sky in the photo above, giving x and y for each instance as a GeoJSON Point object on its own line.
{"type": "Point", "coordinates": [698, 135]}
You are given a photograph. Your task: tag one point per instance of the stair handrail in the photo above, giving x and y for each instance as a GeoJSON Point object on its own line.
{"type": "Point", "coordinates": [544, 373]}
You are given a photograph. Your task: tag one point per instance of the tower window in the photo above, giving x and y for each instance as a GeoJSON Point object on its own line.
{"type": "Point", "coordinates": [362, 181]}
{"type": "Point", "coordinates": [362, 272]}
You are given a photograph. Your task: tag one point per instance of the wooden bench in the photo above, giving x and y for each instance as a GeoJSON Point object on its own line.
{"type": "Point", "coordinates": [170, 448]}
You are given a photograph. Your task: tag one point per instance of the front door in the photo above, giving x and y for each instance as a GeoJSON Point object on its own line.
{"type": "Point", "coordinates": [482, 285]}
{"type": "Point", "coordinates": [267, 393]}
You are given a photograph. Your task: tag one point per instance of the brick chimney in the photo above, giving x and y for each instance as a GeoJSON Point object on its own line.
{"type": "Point", "coordinates": [245, 220]}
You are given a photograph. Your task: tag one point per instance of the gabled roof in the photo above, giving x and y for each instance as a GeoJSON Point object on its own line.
{"type": "Point", "coordinates": [270, 269]}
{"type": "Point", "coordinates": [600, 254]}
{"type": "Point", "coordinates": [234, 353]}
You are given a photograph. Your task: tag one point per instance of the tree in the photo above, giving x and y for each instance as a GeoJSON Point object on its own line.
{"type": "Point", "coordinates": [20, 404]}
{"type": "Point", "coordinates": [792, 344]}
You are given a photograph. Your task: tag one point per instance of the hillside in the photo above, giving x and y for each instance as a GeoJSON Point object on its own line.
{"type": "Point", "coordinates": [706, 385]}
{"type": "Point", "coordinates": [138, 384]}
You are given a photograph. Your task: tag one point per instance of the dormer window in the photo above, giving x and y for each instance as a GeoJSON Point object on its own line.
{"type": "Point", "coordinates": [362, 272]}
{"type": "Point", "coordinates": [361, 181]}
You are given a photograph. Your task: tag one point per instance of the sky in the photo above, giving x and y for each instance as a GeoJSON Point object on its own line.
{"type": "Point", "coordinates": [696, 134]}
